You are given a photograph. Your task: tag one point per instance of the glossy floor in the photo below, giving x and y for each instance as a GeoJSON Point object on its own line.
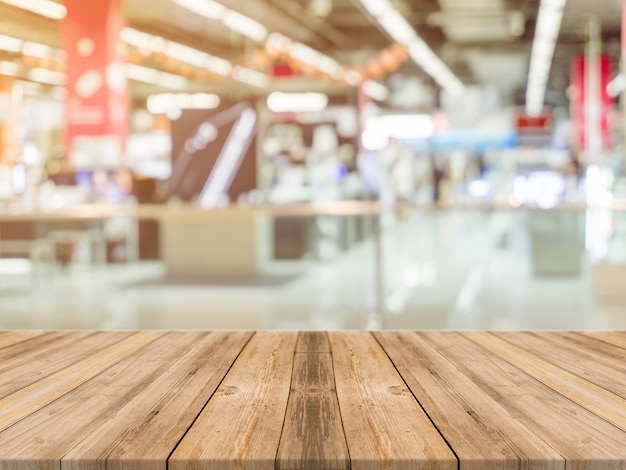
{"type": "Point", "coordinates": [440, 270]}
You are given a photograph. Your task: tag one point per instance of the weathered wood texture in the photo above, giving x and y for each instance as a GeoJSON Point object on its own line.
{"type": "Point", "coordinates": [312, 400]}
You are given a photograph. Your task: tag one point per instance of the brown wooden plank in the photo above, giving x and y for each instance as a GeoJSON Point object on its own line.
{"type": "Point", "coordinates": [313, 435]}
{"type": "Point", "coordinates": [38, 394]}
{"type": "Point", "coordinates": [9, 338]}
{"type": "Point", "coordinates": [241, 425]}
{"type": "Point", "coordinates": [589, 395]}
{"type": "Point", "coordinates": [599, 363]}
{"type": "Point", "coordinates": [47, 354]}
{"type": "Point", "coordinates": [584, 439]}
{"type": "Point", "coordinates": [385, 427]}
{"type": "Point", "coordinates": [42, 439]}
{"type": "Point", "coordinates": [483, 434]}
{"type": "Point", "coordinates": [313, 341]}
{"type": "Point", "coordinates": [616, 338]}
{"type": "Point", "coordinates": [142, 434]}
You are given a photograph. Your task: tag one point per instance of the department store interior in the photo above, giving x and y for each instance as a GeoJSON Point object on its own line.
{"type": "Point", "coordinates": [312, 164]}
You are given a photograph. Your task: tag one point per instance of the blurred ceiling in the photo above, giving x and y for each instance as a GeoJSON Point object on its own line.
{"type": "Point", "coordinates": [481, 41]}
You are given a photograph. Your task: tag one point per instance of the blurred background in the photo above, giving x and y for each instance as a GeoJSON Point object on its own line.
{"type": "Point", "coordinates": [312, 164]}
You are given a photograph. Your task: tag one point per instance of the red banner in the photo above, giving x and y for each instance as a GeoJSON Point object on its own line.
{"type": "Point", "coordinates": [578, 99]}
{"type": "Point", "coordinates": [97, 87]}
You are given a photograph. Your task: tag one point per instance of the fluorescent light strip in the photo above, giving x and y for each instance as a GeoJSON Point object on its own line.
{"type": "Point", "coordinates": [251, 77]}
{"type": "Point", "coordinates": [244, 25]}
{"type": "Point", "coordinates": [163, 103]}
{"type": "Point", "coordinates": [206, 8]}
{"type": "Point", "coordinates": [10, 44]}
{"type": "Point", "coordinates": [232, 19]}
{"type": "Point", "coordinates": [177, 51]}
{"type": "Point", "coordinates": [46, 76]}
{"type": "Point", "coordinates": [279, 102]}
{"type": "Point", "coordinates": [156, 77]}
{"type": "Point", "coordinates": [9, 68]}
{"type": "Point", "coordinates": [375, 90]}
{"type": "Point", "coordinates": [390, 19]}
{"type": "Point", "coordinates": [546, 33]}
{"type": "Point", "coordinates": [47, 8]}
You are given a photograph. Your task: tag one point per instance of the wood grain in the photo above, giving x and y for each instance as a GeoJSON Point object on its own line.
{"type": "Point", "coordinates": [142, 433]}
{"type": "Point", "coordinates": [483, 434]}
{"type": "Point", "coordinates": [385, 427]}
{"type": "Point", "coordinates": [241, 425]}
{"type": "Point", "coordinates": [312, 400]}
{"type": "Point", "coordinates": [313, 341]}
{"type": "Point", "coordinates": [8, 338]}
{"type": "Point", "coordinates": [587, 394]}
{"type": "Point", "coordinates": [616, 338]}
{"type": "Point", "coordinates": [584, 439]}
{"type": "Point", "coordinates": [29, 361]}
{"type": "Point", "coordinates": [42, 438]}
{"type": "Point", "coordinates": [589, 359]}
{"type": "Point", "coordinates": [22, 403]}
{"type": "Point", "coordinates": [312, 435]}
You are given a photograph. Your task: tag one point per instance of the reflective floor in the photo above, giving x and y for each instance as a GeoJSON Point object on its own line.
{"type": "Point", "coordinates": [439, 270]}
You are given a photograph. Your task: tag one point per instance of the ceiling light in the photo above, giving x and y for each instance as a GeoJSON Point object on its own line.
{"type": "Point", "coordinates": [36, 50]}
{"type": "Point", "coordinates": [207, 8]}
{"type": "Point", "coordinates": [165, 102]}
{"type": "Point", "coordinates": [315, 59]}
{"type": "Point", "coordinates": [155, 77]}
{"type": "Point", "coordinates": [546, 32]}
{"type": "Point", "coordinates": [279, 102]}
{"type": "Point", "coordinates": [185, 54]}
{"type": "Point", "coordinates": [47, 8]}
{"type": "Point", "coordinates": [9, 68]}
{"type": "Point", "coordinates": [46, 76]}
{"type": "Point", "coordinates": [375, 90]}
{"type": "Point", "coordinates": [397, 27]}
{"type": "Point", "coordinates": [251, 77]}
{"type": "Point", "coordinates": [177, 51]}
{"type": "Point", "coordinates": [244, 25]}
{"type": "Point", "coordinates": [402, 32]}
{"type": "Point", "coordinates": [10, 44]}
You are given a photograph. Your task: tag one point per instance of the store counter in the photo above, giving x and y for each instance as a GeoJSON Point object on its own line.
{"type": "Point", "coordinates": [312, 400]}
{"type": "Point", "coordinates": [227, 244]}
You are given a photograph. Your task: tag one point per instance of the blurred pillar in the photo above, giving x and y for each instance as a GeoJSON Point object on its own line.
{"type": "Point", "coordinates": [593, 92]}
{"type": "Point", "coordinates": [97, 112]}
{"type": "Point", "coordinates": [9, 118]}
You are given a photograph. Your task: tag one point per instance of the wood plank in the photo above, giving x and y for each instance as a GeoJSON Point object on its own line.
{"type": "Point", "coordinates": [589, 395]}
{"type": "Point", "coordinates": [43, 438]}
{"type": "Point", "coordinates": [312, 434]}
{"type": "Point", "coordinates": [143, 433]}
{"type": "Point", "coordinates": [46, 354]}
{"type": "Point", "coordinates": [313, 341]}
{"type": "Point", "coordinates": [37, 395]}
{"type": "Point", "coordinates": [385, 426]}
{"type": "Point", "coordinates": [616, 338]}
{"type": "Point", "coordinates": [584, 439]}
{"type": "Point", "coordinates": [483, 434]}
{"type": "Point", "coordinates": [241, 425]}
{"type": "Point", "coordinates": [590, 359]}
{"type": "Point", "coordinates": [9, 338]}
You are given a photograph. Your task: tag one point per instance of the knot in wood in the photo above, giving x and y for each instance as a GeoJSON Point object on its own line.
{"type": "Point", "coordinates": [227, 390]}
{"type": "Point", "coordinates": [399, 390]}
{"type": "Point", "coordinates": [312, 390]}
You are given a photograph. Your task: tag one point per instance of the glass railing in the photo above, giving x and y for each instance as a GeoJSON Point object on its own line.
{"type": "Point", "coordinates": [336, 266]}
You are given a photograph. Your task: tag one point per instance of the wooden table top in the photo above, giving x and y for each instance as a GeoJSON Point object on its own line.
{"type": "Point", "coordinates": [312, 400]}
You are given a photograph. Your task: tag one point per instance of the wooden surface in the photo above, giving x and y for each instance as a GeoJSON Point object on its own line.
{"type": "Point", "coordinates": [312, 400]}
